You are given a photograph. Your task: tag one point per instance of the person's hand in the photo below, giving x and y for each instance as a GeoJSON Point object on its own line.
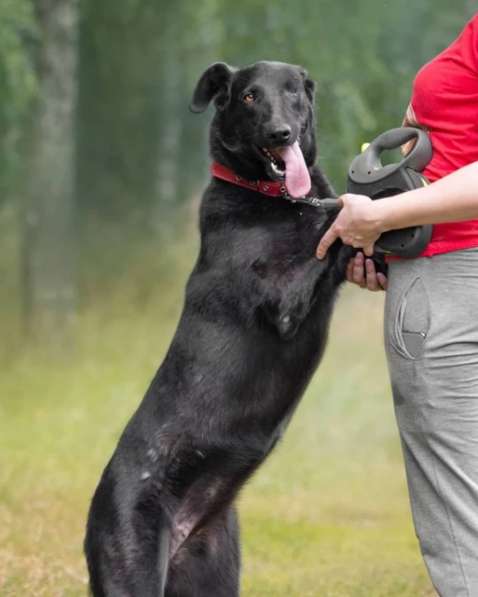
{"type": "Point", "coordinates": [362, 272]}
{"type": "Point", "coordinates": [356, 225]}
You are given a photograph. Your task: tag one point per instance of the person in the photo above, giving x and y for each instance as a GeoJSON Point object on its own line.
{"type": "Point", "coordinates": [431, 314]}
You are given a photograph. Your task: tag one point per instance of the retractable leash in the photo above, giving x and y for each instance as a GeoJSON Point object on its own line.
{"type": "Point", "coordinates": [368, 176]}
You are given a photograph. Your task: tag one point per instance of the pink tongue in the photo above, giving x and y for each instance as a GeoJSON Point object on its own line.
{"type": "Point", "coordinates": [297, 179]}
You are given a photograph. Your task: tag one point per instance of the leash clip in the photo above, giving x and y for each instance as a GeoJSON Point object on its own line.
{"type": "Point", "coordinates": [315, 201]}
{"type": "Point", "coordinates": [285, 194]}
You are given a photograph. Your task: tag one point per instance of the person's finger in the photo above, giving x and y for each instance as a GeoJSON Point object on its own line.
{"type": "Point", "coordinates": [372, 282]}
{"type": "Point", "coordinates": [326, 242]}
{"type": "Point", "coordinates": [368, 250]}
{"type": "Point", "coordinates": [358, 275]}
{"type": "Point", "coordinates": [349, 270]}
{"type": "Point", "coordinates": [382, 280]}
{"type": "Point", "coordinates": [352, 277]}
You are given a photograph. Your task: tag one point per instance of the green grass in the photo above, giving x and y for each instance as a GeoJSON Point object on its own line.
{"type": "Point", "coordinates": [327, 515]}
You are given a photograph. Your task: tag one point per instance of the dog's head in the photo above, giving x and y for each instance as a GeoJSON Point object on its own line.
{"type": "Point", "coordinates": [264, 121]}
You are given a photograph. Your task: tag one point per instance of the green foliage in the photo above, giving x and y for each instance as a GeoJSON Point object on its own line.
{"type": "Point", "coordinates": [141, 151]}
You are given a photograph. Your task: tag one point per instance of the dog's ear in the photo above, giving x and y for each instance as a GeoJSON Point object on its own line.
{"type": "Point", "coordinates": [310, 89]}
{"type": "Point", "coordinates": [214, 83]}
{"type": "Point", "coordinates": [309, 86]}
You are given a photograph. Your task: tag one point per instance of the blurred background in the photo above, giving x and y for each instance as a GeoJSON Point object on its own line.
{"type": "Point", "coordinates": [101, 169]}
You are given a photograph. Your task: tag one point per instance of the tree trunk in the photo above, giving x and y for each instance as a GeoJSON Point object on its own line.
{"type": "Point", "coordinates": [166, 192]}
{"type": "Point", "coordinates": [49, 246]}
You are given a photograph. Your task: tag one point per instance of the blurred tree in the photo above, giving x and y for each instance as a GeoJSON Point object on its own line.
{"type": "Point", "coordinates": [193, 53]}
{"type": "Point", "coordinates": [17, 84]}
{"type": "Point", "coordinates": [49, 245]}
{"type": "Point", "coordinates": [118, 107]}
{"type": "Point", "coordinates": [140, 151]}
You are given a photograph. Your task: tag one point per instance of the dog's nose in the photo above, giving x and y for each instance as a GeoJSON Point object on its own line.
{"type": "Point", "coordinates": [280, 134]}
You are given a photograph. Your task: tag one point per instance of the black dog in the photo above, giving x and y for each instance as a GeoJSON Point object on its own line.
{"type": "Point", "coordinates": [252, 332]}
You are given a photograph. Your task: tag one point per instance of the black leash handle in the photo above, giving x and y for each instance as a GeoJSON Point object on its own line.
{"type": "Point", "coordinates": [369, 176]}
{"type": "Point", "coordinates": [367, 168]}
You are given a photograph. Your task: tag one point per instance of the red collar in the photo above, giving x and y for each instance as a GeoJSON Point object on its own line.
{"type": "Point", "coordinates": [266, 187]}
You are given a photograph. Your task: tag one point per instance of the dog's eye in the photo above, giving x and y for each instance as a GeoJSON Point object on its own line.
{"type": "Point", "coordinates": [248, 98]}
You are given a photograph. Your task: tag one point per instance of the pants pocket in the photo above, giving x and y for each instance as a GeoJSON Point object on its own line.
{"type": "Point", "coordinates": [412, 321]}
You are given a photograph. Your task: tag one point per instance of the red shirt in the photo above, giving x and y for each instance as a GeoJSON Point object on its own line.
{"type": "Point", "coordinates": [445, 102]}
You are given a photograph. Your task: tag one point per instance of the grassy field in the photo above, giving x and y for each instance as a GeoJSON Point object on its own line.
{"type": "Point", "coordinates": [327, 516]}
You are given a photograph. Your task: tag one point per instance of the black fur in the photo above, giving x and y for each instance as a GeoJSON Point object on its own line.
{"type": "Point", "coordinates": [252, 332]}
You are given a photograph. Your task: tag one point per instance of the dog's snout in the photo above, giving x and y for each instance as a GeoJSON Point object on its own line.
{"type": "Point", "coordinates": [280, 134]}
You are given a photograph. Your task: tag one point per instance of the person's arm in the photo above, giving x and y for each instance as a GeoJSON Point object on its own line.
{"type": "Point", "coordinates": [360, 222]}
{"type": "Point", "coordinates": [453, 198]}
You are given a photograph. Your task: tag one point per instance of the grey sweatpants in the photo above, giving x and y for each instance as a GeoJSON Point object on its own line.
{"type": "Point", "coordinates": [431, 339]}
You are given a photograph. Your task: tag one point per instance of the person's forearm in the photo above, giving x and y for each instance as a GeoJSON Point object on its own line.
{"type": "Point", "coordinates": [453, 198]}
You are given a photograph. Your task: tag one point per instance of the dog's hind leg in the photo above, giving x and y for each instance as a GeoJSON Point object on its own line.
{"type": "Point", "coordinates": [151, 544]}
{"type": "Point", "coordinates": [127, 549]}
{"type": "Point", "coordinates": [143, 574]}
{"type": "Point", "coordinates": [208, 563]}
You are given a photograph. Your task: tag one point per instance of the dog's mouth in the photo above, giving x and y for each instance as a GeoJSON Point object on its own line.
{"type": "Point", "coordinates": [287, 163]}
{"type": "Point", "coordinates": [275, 164]}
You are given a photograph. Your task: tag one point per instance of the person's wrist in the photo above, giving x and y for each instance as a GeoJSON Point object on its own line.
{"type": "Point", "coordinates": [384, 215]}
